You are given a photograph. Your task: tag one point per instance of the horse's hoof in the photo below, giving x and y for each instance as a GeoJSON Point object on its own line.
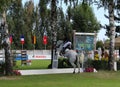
{"type": "Point", "coordinates": [74, 72]}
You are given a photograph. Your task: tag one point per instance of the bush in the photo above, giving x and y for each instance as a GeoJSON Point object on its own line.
{"type": "Point", "coordinates": [97, 64]}
{"type": "Point", "coordinates": [63, 63]}
{"type": "Point", "coordinates": [100, 64]}
{"type": "Point", "coordinates": [88, 63]}
{"type": "Point", "coordinates": [118, 65]}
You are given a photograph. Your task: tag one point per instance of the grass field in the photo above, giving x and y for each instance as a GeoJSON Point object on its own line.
{"type": "Point", "coordinates": [35, 64]}
{"type": "Point", "coordinates": [99, 79]}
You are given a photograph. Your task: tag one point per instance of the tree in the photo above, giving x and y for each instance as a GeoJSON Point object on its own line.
{"type": "Point", "coordinates": [5, 37]}
{"type": "Point", "coordinates": [112, 32]}
{"type": "Point", "coordinates": [44, 21]}
{"type": "Point", "coordinates": [64, 24]}
{"type": "Point", "coordinates": [99, 44]}
{"type": "Point", "coordinates": [110, 5]}
{"type": "Point", "coordinates": [84, 19]}
{"type": "Point", "coordinates": [29, 19]}
{"type": "Point", "coordinates": [53, 29]}
{"type": "Point", "coordinates": [16, 22]}
{"type": "Point", "coordinates": [36, 29]}
{"type": "Point", "coordinates": [21, 19]}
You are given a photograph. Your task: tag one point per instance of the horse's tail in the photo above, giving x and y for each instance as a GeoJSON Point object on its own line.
{"type": "Point", "coordinates": [81, 59]}
{"type": "Point", "coordinates": [82, 56]}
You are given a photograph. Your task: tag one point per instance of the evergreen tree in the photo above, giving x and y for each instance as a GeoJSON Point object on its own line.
{"type": "Point", "coordinates": [29, 20]}
{"type": "Point", "coordinates": [84, 19]}
{"type": "Point", "coordinates": [44, 21]}
{"type": "Point", "coordinates": [16, 23]}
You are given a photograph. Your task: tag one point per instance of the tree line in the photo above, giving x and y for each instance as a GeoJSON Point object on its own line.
{"type": "Point", "coordinates": [30, 20]}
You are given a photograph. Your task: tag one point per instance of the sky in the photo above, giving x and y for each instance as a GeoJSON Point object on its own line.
{"type": "Point", "coordinates": [99, 14]}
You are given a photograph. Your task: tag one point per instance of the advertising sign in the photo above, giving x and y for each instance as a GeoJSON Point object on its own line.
{"type": "Point", "coordinates": [84, 41]}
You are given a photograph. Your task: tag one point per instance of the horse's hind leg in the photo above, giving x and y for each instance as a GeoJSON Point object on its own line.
{"type": "Point", "coordinates": [74, 66]}
{"type": "Point", "coordinates": [78, 64]}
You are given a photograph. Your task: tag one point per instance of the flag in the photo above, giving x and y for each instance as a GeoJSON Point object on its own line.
{"type": "Point", "coordinates": [45, 38]}
{"type": "Point", "coordinates": [22, 39]}
{"type": "Point", "coordinates": [34, 39]}
{"type": "Point", "coordinates": [10, 39]}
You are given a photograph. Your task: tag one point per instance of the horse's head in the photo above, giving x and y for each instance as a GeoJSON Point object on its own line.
{"type": "Point", "coordinates": [66, 50]}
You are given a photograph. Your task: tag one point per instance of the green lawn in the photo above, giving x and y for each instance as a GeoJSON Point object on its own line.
{"type": "Point", "coordinates": [99, 79]}
{"type": "Point", "coordinates": [35, 64]}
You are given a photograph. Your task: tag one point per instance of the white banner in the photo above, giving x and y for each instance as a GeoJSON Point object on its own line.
{"type": "Point", "coordinates": [32, 57]}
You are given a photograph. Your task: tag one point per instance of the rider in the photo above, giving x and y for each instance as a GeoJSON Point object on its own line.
{"type": "Point", "coordinates": [66, 44]}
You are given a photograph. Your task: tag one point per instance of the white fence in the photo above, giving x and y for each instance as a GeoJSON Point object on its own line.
{"type": "Point", "coordinates": [32, 54]}
{"type": "Point", "coordinates": [46, 54]}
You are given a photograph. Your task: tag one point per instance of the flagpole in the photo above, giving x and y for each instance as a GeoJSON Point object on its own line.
{"type": "Point", "coordinates": [34, 50]}
{"type": "Point", "coordinates": [22, 41]}
{"type": "Point", "coordinates": [10, 39]}
{"type": "Point", "coordinates": [45, 46]}
{"type": "Point", "coordinates": [45, 38]}
{"type": "Point", "coordinates": [34, 42]}
{"type": "Point", "coordinates": [22, 46]}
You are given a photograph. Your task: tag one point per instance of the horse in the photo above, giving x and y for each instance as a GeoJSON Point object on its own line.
{"type": "Point", "coordinates": [73, 57]}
